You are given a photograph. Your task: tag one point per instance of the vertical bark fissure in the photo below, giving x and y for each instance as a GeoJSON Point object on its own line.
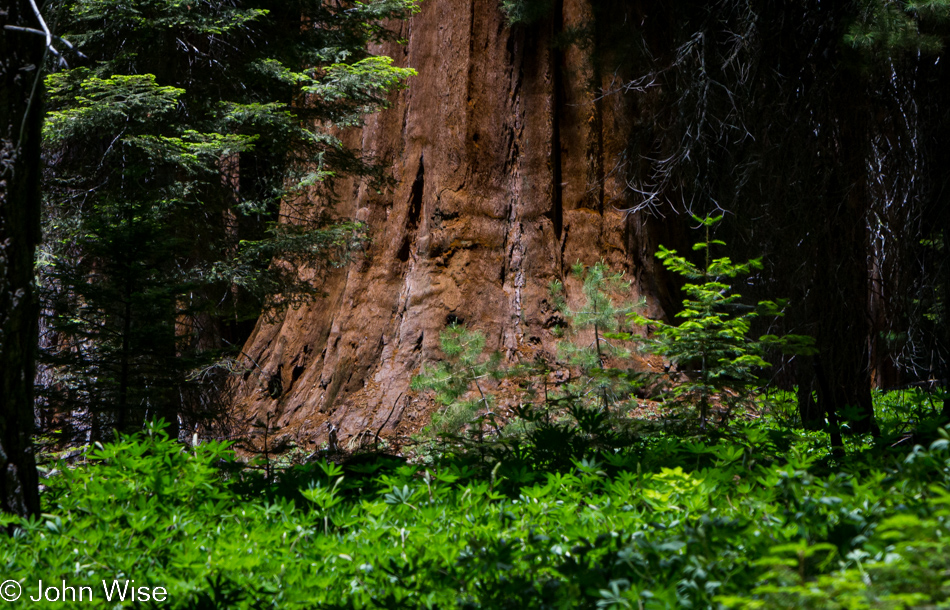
{"type": "Point", "coordinates": [557, 103]}
{"type": "Point", "coordinates": [596, 158]}
{"type": "Point", "coordinates": [415, 198]}
{"type": "Point", "coordinates": [414, 212]}
{"type": "Point", "coordinates": [513, 278]}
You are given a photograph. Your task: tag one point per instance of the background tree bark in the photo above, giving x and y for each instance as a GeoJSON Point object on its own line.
{"type": "Point", "coordinates": [21, 116]}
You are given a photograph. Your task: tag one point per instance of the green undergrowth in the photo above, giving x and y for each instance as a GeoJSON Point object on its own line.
{"type": "Point", "coordinates": [752, 518]}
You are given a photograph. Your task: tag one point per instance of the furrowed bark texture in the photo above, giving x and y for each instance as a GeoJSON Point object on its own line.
{"type": "Point", "coordinates": [21, 55]}
{"type": "Point", "coordinates": [504, 156]}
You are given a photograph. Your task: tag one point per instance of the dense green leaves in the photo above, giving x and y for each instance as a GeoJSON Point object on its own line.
{"type": "Point", "coordinates": [895, 27]}
{"type": "Point", "coordinates": [669, 524]}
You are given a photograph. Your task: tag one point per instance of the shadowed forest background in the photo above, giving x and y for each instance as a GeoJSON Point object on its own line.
{"type": "Point", "coordinates": [531, 303]}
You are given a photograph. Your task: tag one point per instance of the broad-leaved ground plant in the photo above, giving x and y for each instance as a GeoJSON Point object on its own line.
{"type": "Point", "coordinates": [762, 519]}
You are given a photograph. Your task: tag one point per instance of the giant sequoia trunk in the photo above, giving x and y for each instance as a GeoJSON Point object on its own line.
{"type": "Point", "coordinates": [514, 152]}
{"type": "Point", "coordinates": [21, 115]}
{"type": "Point", "coordinates": [504, 157]}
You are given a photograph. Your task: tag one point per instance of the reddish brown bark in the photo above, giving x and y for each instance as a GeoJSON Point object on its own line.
{"type": "Point", "coordinates": [504, 156]}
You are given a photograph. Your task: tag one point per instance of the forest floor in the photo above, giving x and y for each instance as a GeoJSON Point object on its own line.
{"type": "Point", "coordinates": [755, 514]}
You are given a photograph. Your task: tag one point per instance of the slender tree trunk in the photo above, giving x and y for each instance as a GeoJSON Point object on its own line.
{"type": "Point", "coordinates": [21, 116]}
{"type": "Point", "coordinates": [122, 416]}
{"type": "Point", "coordinates": [932, 83]}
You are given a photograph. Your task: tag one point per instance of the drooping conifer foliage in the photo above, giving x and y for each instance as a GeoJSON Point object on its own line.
{"type": "Point", "coordinates": [182, 157]}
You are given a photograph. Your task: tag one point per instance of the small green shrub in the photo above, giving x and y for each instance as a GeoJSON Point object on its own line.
{"type": "Point", "coordinates": [603, 314]}
{"type": "Point", "coordinates": [553, 423]}
{"type": "Point", "coordinates": [711, 344]}
{"type": "Point", "coordinates": [464, 368]}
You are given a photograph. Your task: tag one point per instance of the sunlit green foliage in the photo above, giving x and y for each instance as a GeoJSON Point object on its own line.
{"type": "Point", "coordinates": [758, 519]}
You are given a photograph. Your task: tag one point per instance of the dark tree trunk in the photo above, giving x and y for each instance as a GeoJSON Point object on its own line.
{"type": "Point", "coordinates": [834, 429]}
{"type": "Point", "coordinates": [935, 124]}
{"type": "Point", "coordinates": [21, 59]}
{"type": "Point", "coordinates": [843, 282]}
{"type": "Point", "coordinates": [810, 412]}
{"type": "Point", "coordinates": [810, 199]}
